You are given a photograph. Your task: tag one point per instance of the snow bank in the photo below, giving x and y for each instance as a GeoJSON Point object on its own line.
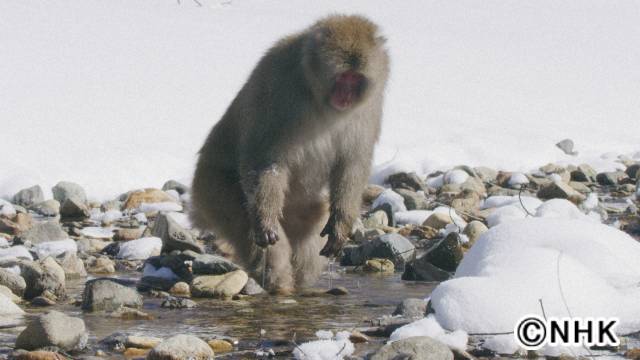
{"type": "Point", "coordinates": [15, 252]}
{"type": "Point", "coordinates": [326, 348]}
{"type": "Point", "coordinates": [119, 80]}
{"type": "Point", "coordinates": [515, 264]}
{"type": "Point", "coordinates": [55, 248]}
{"type": "Point", "coordinates": [429, 327]}
{"type": "Point", "coordinates": [140, 249]}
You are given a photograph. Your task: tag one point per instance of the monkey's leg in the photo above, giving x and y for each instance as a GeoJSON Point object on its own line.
{"type": "Point", "coordinates": [279, 272]}
{"type": "Point", "coordinates": [265, 192]}
{"type": "Point", "coordinates": [302, 223]}
{"type": "Point", "coordinates": [348, 178]}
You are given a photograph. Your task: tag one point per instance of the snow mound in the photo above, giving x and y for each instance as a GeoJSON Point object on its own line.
{"type": "Point", "coordinates": [576, 266]}
{"type": "Point", "coordinates": [392, 198]}
{"type": "Point", "coordinates": [325, 348]}
{"type": "Point", "coordinates": [15, 252]}
{"type": "Point", "coordinates": [429, 327]}
{"type": "Point", "coordinates": [55, 248]}
{"type": "Point", "coordinates": [140, 249]}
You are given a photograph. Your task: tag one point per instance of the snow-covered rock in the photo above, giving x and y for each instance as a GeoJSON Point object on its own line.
{"type": "Point", "coordinates": [517, 179]}
{"type": "Point", "coordinates": [435, 182]}
{"type": "Point", "coordinates": [7, 209]}
{"type": "Point", "coordinates": [581, 265]}
{"type": "Point", "coordinates": [15, 252]}
{"type": "Point", "coordinates": [416, 217]}
{"type": "Point", "coordinates": [160, 206]}
{"type": "Point", "coordinates": [429, 327]}
{"type": "Point", "coordinates": [327, 348]}
{"type": "Point", "coordinates": [55, 248]}
{"type": "Point", "coordinates": [392, 198]}
{"type": "Point", "coordinates": [3, 242]}
{"type": "Point", "coordinates": [96, 232]}
{"type": "Point", "coordinates": [140, 249]}
{"type": "Point", "coordinates": [455, 177]}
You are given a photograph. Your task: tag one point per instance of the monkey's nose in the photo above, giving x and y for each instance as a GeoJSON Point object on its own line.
{"type": "Point", "coordinates": [353, 60]}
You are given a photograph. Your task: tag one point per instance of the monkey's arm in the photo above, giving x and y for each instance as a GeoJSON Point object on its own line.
{"type": "Point", "coordinates": [265, 192]}
{"type": "Point", "coordinates": [348, 178]}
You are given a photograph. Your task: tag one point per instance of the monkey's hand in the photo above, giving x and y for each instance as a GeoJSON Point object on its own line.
{"type": "Point", "coordinates": [337, 238]}
{"type": "Point", "coordinates": [265, 236]}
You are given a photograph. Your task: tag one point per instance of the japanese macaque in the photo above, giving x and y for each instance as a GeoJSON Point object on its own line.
{"type": "Point", "coordinates": [280, 177]}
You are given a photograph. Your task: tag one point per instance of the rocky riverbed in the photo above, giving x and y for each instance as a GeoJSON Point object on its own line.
{"type": "Point", "coordinates": [130, 278]}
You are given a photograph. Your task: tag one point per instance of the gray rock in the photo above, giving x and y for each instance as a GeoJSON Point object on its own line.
{"type": "Point", "coordinates": [566, 146]}
{"type": "Point", "coordinates": [584, 173]}
{"type": "Point", "coordinates": [252, 288]}
{"type": "Point", "coordinates": [394, 247]}
{"type": "Point", "coordinates": [12, 281]}
{"type": "Point", "coordinates": [414, 348]}
{"type": "Point", "coordinates": [173, 236]}
{"type": "Point", "coordinates": [208, 264]}
{"type": "Point", "coordinates": [422, 270]}
{"type": "Point", "coordinates": [180, 347]}
{"type": "Point", "coordinates": [43, 275]}
{"type": "Point", "coordinates": [41, 232]}
{"type": "Point", "coordinates": [29, 196]}
{"type": "Point", "coordinates": [611, 178]}
{"type": "Point", "coordinates": [72, 265]}
{"type": "Point", "coordinates": [447, 254]}
{"type": "Point", "coordinates": [409, 181]}
{"type": "Point", "coordinates": [411, 308]}
{"type": "Point", "coordinates": [559, 190]}
{"type": "Point", "coordinates": [53, 329]}
{"type": "Point", "coordinates": [175, 185]}
{"type": "Point", "coordinates": [74, 209]}
{"type": "Point", "coordinates": [173, 302]}
{"type": "Point", "coordinates": [632, 170]}
{"type": "Point", "coordinates": [219, 286]}
{"type": "Point", "coordinates": [107, 294]}
{"type": "Point", "coordinates": [413, 200]}
{"type": "Point", "coordinates": [67, 190]}
{"type": "Point", "coordinates": [47, 208]}
{"type": "Point", "coordinates": [376, 219]}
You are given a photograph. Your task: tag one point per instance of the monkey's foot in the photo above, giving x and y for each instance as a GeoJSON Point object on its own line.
{"type": "Point", "coordinates": [266, 238]}
{"type": "Point", "coordinates": [332, 248]}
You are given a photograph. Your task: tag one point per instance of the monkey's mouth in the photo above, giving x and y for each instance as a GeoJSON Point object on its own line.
{"type": "Point", "coordinates": [347, 90]}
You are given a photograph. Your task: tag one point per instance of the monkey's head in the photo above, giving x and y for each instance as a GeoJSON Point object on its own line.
{"type": "Point", "coordinates": [344, 61]}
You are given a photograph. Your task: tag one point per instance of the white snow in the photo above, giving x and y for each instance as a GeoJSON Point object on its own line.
{"type": "Point", "coordinates": [182, 219]}
{"type": "Point", "coordinates": [141, 217]}
{"type": "Point", "coordinates": [7, 209]}
{"type": "Point", "coordinates": [591, 202]}
{"type": "Point", "coordinates": [96, 232]}
{"type": "Point", "coordinates": [416, 217]}
{"type": "Point", "coordinates": [392, 198]}
{"type": "Point", "coordinates": [107, 216]}
{"type": "Point", "coordinates": [429, 327]}
{"type": "Point", "coordinates": [325, 348]}
{"type": "Point", "coordinates": [529, 202]}
{"type": "Point", "coordinates": [162, 272]}
{"type": "Point", "coordinates": [160, 206]}
{"type": "Point", "coordinates": [471, 83]}
{"type": "Point", "coordinates": [15, 252]}
{"type": "Point", "coordinates": [458, 221]}
{"type": "Point", "coordinates": [589, 265]}
{"type": "Point", "coordinates": [55, 248]}
{"type": "Point", "coordinates": [456, 176]}
{"type": "Point", "coordinates": [561, 208]}
{"type": "Point", "coordinates": [517, 179]}
{"type": "Point", "coordinates": [140, 249]}
{"type": "Point", "coordinates": [8, 307]}
{"type": "Point", "coordinates": [3, 242]}
{"type": "Point", "coordinates": [435, 182]}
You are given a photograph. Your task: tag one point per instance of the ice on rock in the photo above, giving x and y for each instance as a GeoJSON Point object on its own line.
{"type": "Point", "coordinates": [140, 249]}
{"type": "Point", "coordinates": [430, 327]}
{"type": "Point", "coordinates": [517, 179]}
{"type": "Point", "coordinates": [392, 198]}
{"type": "Point", "coordinates": [415, 217]}
{"type": "Point", "coordinates": [456, 177]}
{"type": "Point", "coordinates": [160, 206]}
{"type": "Point", "coordinates": [15, 252]}
{"type": "Point", "coordinates": [55, 248]}
{"type": "Point", "coordinates": [589, 265]}
{"type": "Point", "coordinates": [435, 182]}
{"type": "Point", "coordinates": [162, 272]}
{"type": "Point", "coordinates": [327, 348]}
{"type": "Point", "coordinates": [7, 209]}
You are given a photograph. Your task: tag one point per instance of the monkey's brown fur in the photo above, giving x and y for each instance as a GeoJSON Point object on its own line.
{"type": "Point", "coordinates": [288, 137]}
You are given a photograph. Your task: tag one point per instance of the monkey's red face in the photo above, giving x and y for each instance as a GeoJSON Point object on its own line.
{"type": "Point", "coordinates": [347, 90]}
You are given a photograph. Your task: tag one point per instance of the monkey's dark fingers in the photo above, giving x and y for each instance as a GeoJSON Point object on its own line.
{"type": "Point", "coordinates": [331, 249]}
